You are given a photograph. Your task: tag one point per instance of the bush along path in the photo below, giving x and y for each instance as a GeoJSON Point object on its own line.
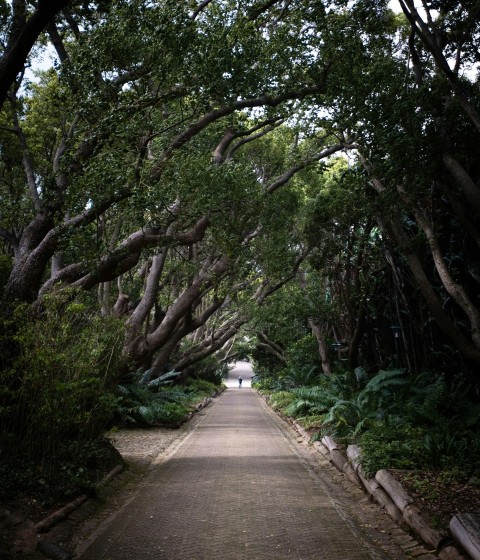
{"type": "Point", "coordinates": [385, 489]}
{"type": "Point", "coordinates": [24, 535]}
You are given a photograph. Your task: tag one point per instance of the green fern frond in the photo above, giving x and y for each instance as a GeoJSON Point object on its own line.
{"type": "Point", "coordinates": [145, 377]}
{"type": "Point", "coordinates": [164, 379]}
{"type": "Point", "coordinates": [386, 378]}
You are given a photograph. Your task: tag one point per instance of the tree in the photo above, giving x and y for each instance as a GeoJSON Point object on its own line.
{"type": "Point", "coordinates": [414, 119]}
{"type": "Point", "coordinates": [110, 185]}
{"type": "Point", "coordinates": [23, 31]}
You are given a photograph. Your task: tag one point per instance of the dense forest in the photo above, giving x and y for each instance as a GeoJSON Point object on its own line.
{"type": "Point", "coordinates": [190, 182]}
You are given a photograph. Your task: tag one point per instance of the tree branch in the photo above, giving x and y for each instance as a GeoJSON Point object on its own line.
{"type": "Point", "coordinates": [20, 44]}
{"type": "Point", "coordinates": [217, 114]}
{"type": "Point", "coordinates": [231, 135]}
{"type": "Point", "coordinates": [199, 9]}
{"type": "Point", "coordinates": [26, 159]}
{"type": "Point", "coordinates": [302, 165]}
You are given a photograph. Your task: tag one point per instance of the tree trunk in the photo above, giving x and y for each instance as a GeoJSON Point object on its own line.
{"type": "Point", "coordinates": [20, 44]}
{"type": "Point", "coordinates": [33, 256]}
{"type": "Point", "coordinates": [322, 347]}
{"type": "Point", "coordinates": [465, 346]}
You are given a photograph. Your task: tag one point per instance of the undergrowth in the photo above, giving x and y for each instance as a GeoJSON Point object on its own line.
{"type": "Point", "coordinates": [81, 464]}
{"type": "Point", "coordinates": [59, 392]}
{"type": "Point", "coordinates": [159, 402]}
{"type": "Point", "coordinates": [400, 421]}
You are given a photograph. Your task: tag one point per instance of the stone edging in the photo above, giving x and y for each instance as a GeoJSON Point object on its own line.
{"type": "Point", "coordinates": [203, 403]}
{"type": "Point", "coordinates": [386, 491]}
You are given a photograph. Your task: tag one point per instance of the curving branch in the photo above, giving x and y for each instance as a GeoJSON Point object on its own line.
{"type": "Point", "coordinates": [302, 165]}
{"type": "Point", "coordinates": [215, 342]}
{"type": "Point", "coordinates": [23, 36]}
{"type": "Point", "coordinates": [200, 8]}
{"type": "Point", "coordinates": [239, 144]}
{"type": "Point", "coordinates": [230, 135]}
{"type": "Point", "coordinates": [216, 114]}
{"type": "Point", "coordinates": [266, 289]}
{"type": "Point", "coordinates": [270, 346]}
{"type": "Point", "coordinates": [124, 257]}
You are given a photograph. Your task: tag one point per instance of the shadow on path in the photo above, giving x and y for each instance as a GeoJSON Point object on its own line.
{"type": "Point", "coordinates": [238, 487]}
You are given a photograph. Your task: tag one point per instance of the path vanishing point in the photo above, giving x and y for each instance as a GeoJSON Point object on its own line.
{"type": "Point", "coordinates": [240, 486]}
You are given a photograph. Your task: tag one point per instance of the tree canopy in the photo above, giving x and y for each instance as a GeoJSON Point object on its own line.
{"type": "Point", "coordinates": [304, 174]}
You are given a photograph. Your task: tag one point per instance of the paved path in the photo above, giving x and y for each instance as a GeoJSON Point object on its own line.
{"type": "Point", "coordinates": [239, 486]}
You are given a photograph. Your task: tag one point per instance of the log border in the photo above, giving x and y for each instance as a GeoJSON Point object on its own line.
{"type": "Point", "coordinates": [389, 495]}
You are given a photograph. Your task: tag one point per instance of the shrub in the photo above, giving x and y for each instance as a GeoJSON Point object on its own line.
{"type": "Point", "coordinates": [201, 387]}
{"type": "Point", "coordinates": [399, 421]}
{"type": "Point", "coordinates": [210, 369]}
{"type": "Point", "coordinates": [398, 446]}
{"type": "Point", "coordinates": [60, 384]}
{"type": "Point", "coordinates": [302, 357]}
{"type": "Point", "coordinates": [281, 400]}
{"type": "Point", "coordinates": [159, 402]}
{"type": "Point", "coordinates": [264, 381]}
{"type": "Point", "coordinates": [138, 405]}
{"type": "Point", "coordinates": [80, 466]}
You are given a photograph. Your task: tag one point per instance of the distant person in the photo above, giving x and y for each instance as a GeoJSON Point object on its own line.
{"type": "Point", "coordinates": [240, 382]}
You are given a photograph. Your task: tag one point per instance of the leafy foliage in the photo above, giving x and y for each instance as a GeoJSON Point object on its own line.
{"type": "Point", "coordinates": [81, 464]}
{"type": "Point", "coordinates": [403, 422]}
{"type": "Point", "coordinates": [369, 261]}
{"type": "Point", "coordinates": [158, 402]}
{"type": "Point", "coordinates": [60, 384]}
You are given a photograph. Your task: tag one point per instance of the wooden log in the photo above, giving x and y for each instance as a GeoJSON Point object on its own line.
{"type": "Point", "coordinates": [59, 515]}
{"type": "Point", "coordinates": [465, 528]}
{"type": "Point", "coordinates": [301, 430]}
{"type": "Point", "coordinates": [370, 484]}
{"type": "Point", "coordinates": [329, 443]}
{"type": "Point", "coordinates": [112, 474]}
{"type": "Point", "coordinates": [394, 489]}
{"type": "Point", "coordinates": [419, 524]}
{"type": "Point", "coordinates": [386, 502]}
{"type": "Point", "coordinates": [338, 458]}
{"type": "Point", "coordinates": [322, 449]}
{"type": "Point", "coordinates": [353, 453]}
{"type": "Point", "coordinates": [451, 552]}
{"type": "Point", "coordinates": [350, 473]}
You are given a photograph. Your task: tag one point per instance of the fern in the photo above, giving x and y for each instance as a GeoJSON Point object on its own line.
{"type": "Point", "coordinates": [298, 408]}
{"type": "Point", "coordinates": [164, 379]}
{"type": "Point", "coordinates": [385, 379]}
{"type": "Point", "coordinates": [145, 377]}
{"type": "Point", "coordinates": [301, 377]}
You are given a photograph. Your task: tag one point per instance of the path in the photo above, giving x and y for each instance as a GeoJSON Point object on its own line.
{"type": "Point", "coordinates": [239, 487]}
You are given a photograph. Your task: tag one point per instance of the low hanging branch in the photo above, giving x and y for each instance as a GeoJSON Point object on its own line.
{"type": "Point", "coordinates": [266, 289]}
{"type": "Point", "coordinates": [217, 340]}
{"type": "Point", "coordinates": [239, 144]}
{"type": "Point", "coordinates": [125, 256]}
{"type": "Point", "coordinates": [270, 346]}
{"type": "Point", "coordinates": [303, 164]}
{"type": "Point", "coordinates": [220, 153]}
